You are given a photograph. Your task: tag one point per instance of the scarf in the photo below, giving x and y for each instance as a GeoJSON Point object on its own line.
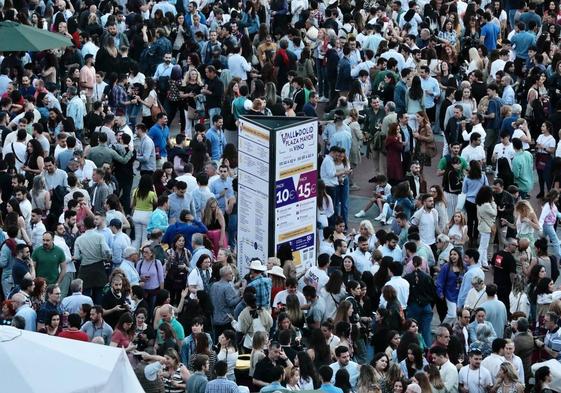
{"type": "Point", "coordinates": [11, 243]}
{"type": "Point", "coordinates": [284, 55]}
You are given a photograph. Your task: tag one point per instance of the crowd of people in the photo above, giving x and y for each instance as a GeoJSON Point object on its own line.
{"type": "Point", "coordinates": [119, 231]}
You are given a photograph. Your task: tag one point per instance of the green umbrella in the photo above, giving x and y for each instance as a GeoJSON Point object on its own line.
{"type": "Point", "coordinates": [17, 37]}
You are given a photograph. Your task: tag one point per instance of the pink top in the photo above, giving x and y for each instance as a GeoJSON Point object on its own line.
{"type": "Point", "coordinates": [120, 338]}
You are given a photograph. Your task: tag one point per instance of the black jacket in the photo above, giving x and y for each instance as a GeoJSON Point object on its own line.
{"type": "Point", "coordinates": [422, 290]}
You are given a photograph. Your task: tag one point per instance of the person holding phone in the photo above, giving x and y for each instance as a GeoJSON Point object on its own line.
{"type": "Point", "coordinates": [114, 301]}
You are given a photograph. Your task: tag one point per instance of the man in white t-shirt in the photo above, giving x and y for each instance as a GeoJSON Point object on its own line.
{"type": "Point", "coordinates": [474, 151]}
{"type": "Point", "coordinates": [499, 64]}
{"type": "Point", "coordinates": [426, 219]}
{"type": "Point", "coordinates": [493, 362]}
{"type": "Point", "coordinates": [473, 378]}
{"type": "Point", "coordinates": [279, 302]}
{"type": "Point", "coordinates": [448, 371]}
{"type": "Point", "coordinates": [317, 276]}
{"type": "Point", "coordinates": [476, 119]}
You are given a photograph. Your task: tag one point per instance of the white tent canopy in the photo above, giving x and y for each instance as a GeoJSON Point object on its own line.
{"type": "Point", "coordinates": [33, 362]}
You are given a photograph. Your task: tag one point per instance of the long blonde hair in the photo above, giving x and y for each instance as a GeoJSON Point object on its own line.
{"type": "Point", "coordinates": [509, 371]}
{"type": "Point", "coordinates": [293, 310]}
{"type": "Point", "coordinates": [524, 209]}
{"type": "Point", "coordinates": [474, 55]}
{"type": "Point", "coordinates": [208, 214]}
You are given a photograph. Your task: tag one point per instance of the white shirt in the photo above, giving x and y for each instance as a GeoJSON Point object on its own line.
{"type": "Point", "coordinates": [558, 150]}
{"type": "Point", "coordinates": [449, 375]}
{"type": "Point", "coordinates": [497, 65]}
{"type": "Point", "coordinates": [190, 180]}
{"type": "Point", "coordinates": [25, 207]}
{"type": "Point", "coordinates": [85, 172]}
{"type": "Point", "coordinates": [401, 286]}
{"type": "Point", "coordinates": [476, 128]}
{"type": "Point", "coordinates": [195, 279]}
{"type": "Point", "coordinates": [326, 248]}
{"type": "Point", "coordinates": [60, 242]}
{"type": "Point", "coordinates": [362, 260]}
{"type": "Point", "coordinates": [280, 298]}
{"type": "Point", "coordinates": [89, 48]}
{"type": "Point", "coordinates": [493, 363]}
{"type": "Point", "coordinates": [547, 142]}
{"type": "Point", "coordinates": [427, 221]}
{"type": "Point", "coordinates": [506, 151]}
{"type": "Point", "coordinates": [471, 153]}
{"type": "Point", "coordinates": [37, 234]}
{"type": "Point", "coordinates": [315, 277]}
{"type": "Point", "coordinates": [518, 133]}
{"type": "Point", "coordinates": [392, 53]}
{"type": "Point", "coordinates": [476, 381]}
{"type": "Point", "coordinates": [13, 137]}
{"type": "Point", "coordinates": [238, 66]}
{"type": "Point", "coordinates": [18, 150]}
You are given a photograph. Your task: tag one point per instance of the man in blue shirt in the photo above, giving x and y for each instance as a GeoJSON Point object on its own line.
{"type": "Point", "coordinates": [344, 362]}
{"type": "Point", "coordinates": [432, 91]}
{"type": "Point", "coordinates": [159, 133]}
{"type": "Point", "coordinates": [471, 259]}
{"type": "Point", "coordinates": [531, 16]}
{"type": "Point", "coordinates": [222, 188]}
{"type": "Point", "coordinates": [186, 226]}
{"type": "Point", "coordinates": [179, 201]}
{"type": "Point", "coordinates": [489, 33]}
{"type": "Point", "coordinates": [342, 135]}
{"type": "Point", "coordinates": [522, 40]}
{"type": "Point", "coordinates": [215, 135]}
{"type": "Point", "coordinates": [492, 120]}
{"type": "Point", "coordinates": [326, 373]}
{"type": "Point", "coordinates": [221, 384]}
{"type": "Point", "coordinates": [164, 69]}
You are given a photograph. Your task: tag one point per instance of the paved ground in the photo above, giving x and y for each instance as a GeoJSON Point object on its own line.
{"type": "Point", "coordinates": [363, 173]}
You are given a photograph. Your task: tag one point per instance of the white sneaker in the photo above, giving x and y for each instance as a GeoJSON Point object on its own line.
{"type": "Point", "coordinates": [389, 221]}
{"type": "Point", "coordinates": [323, 99]}
{"type": "Point", "coordinates": [360, 214]}
{"type": "Point", "coordinates": [379, 218]}
{"type": "Point", "coordinates": [383, 221]}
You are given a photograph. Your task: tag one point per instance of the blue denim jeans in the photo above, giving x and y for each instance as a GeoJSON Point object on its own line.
{"type": "Point", "coordinates": [132, 113]}
{"type": "Point", "coordinates": [7, 282]}
{"type": "Point", "coordinates": [511, 15]}
{"type": "Point", "coordinates": [423, 315]}
{"type": "Point", "coordinates": [212, 112]}
{"type": "Point", "coordinates": [342, 191]}
{"type": "Point", "coordinates": [232, 230]}
{"type": "Point", "coordinates": [549, 232]}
